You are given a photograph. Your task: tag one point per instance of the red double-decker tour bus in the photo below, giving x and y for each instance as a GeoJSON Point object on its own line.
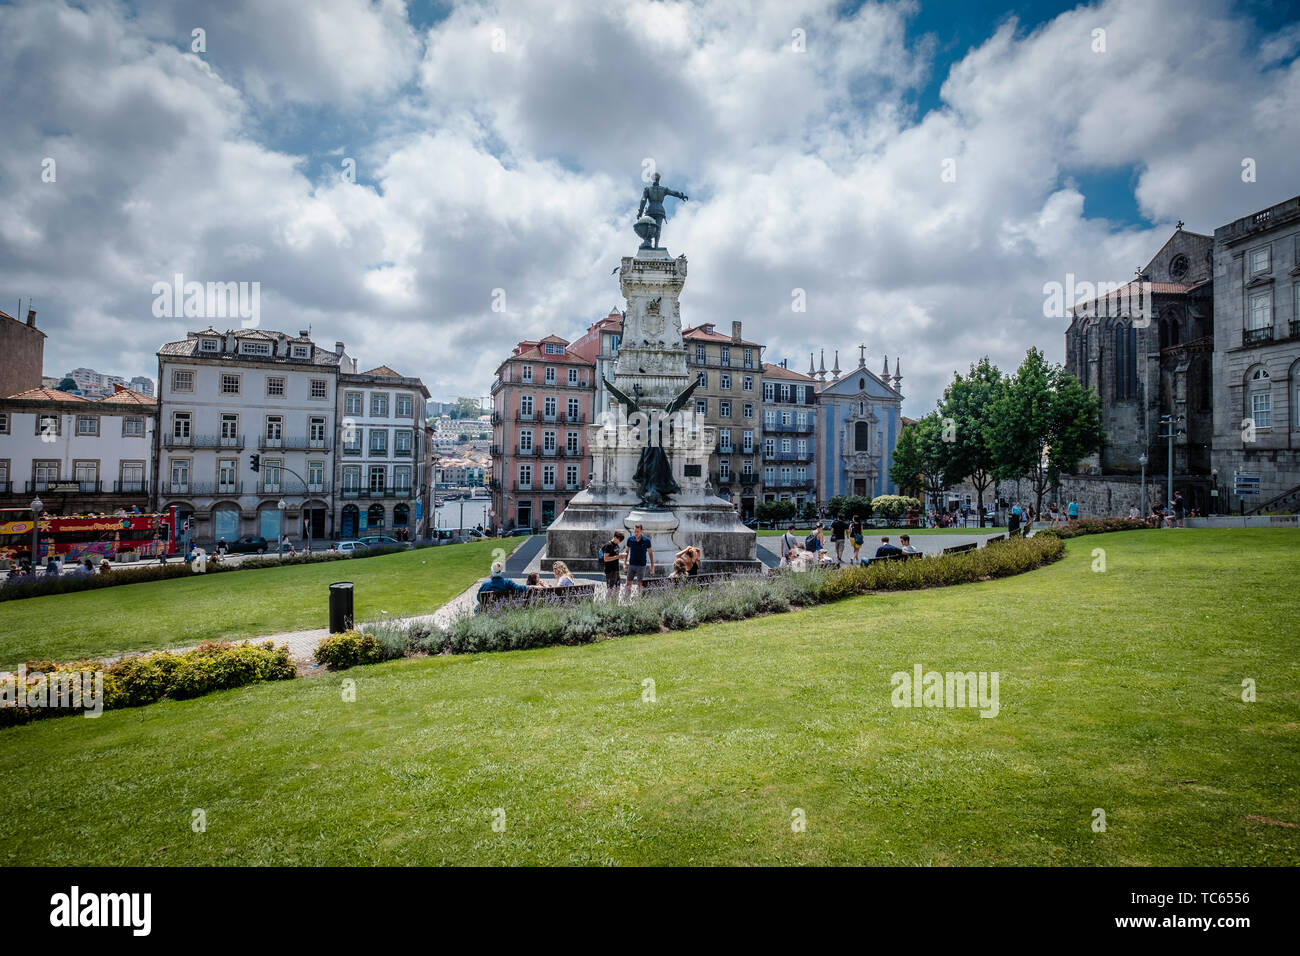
{"type": "Point", "coordinates": [75, 537]}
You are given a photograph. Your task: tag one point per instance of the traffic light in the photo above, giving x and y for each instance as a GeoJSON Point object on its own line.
{"type": "Point", "coordinates": [255, 462]}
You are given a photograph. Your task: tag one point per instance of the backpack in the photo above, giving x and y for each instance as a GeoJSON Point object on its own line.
{"type": "Point", "coordinates": [810, 542]}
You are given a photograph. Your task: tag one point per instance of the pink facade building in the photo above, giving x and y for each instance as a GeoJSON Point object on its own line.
{"type": "Point", "coordinates": [541, 404]}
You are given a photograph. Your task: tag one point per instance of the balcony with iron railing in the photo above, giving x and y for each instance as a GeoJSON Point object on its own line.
{"type": "Point", "coordinates": [794, 427]}
{"type": "Point", "coordinates": [789, 483]}
{"type": "Point", "coordinates": [788, 455]}
{"type": "Point", "coordinates": [293, 443]}
{"type": "Point", "coordinates": [1257, 336]}
{"type": "Point", "coordinates": [387, 491]}
{"type": "Point", "coordinates": [61, 486]}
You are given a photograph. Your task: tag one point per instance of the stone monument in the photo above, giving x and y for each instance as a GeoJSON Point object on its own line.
{"type": "Point", "coordinates": [650, 452]}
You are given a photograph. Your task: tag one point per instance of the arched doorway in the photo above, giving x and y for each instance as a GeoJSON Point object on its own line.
{"type": "Point", "coordinates": [402, 521]}
{"type": "Point", "coordinates": [225, 521]}
{"type": "Point", "coordinates": [351, 521]}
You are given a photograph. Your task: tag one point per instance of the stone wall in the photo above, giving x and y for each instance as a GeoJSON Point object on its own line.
{"type": "Point", "coordinates": [23, 348]}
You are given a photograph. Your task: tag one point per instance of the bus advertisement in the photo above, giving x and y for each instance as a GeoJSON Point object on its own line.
{"type": "Point", "coordinates": [76, 537]}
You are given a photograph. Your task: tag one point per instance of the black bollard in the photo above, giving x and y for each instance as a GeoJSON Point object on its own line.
{"type": "Point", "coordinates": [340, 607]}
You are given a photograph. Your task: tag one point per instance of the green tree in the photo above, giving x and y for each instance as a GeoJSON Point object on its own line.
{"type": "Point", "coordinates": [774, 511]}
{"type": "Point", "coordinates": [67, 385]}
{"type": "Point", "coordinates": [1044, 424]}
{"type": "Point", "coordinates": [465, 408]}
{"type": "Point", "coordinates": [920, 458]}
{"type": "Point", "coordinates": [966, 408]}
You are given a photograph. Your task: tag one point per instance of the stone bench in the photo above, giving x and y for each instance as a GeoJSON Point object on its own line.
{"type": "Point", "coordinates": [961, 548]}
{"type": "Point", "coordinates": [996, 537]}
{"type": "Point", "coordinates": [699, 580]}
{"type": "Point", "coordinates": [901, 556]}
{"type": "Point", "coordinates": [569, 594]}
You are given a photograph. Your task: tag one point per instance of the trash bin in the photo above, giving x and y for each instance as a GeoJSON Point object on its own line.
{"type": "Point", "coordinates": [340, 607]}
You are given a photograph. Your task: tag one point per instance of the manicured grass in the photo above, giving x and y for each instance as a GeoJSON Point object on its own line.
{"type": "Point", "coordinates": [1118, 690]}
{"type": "Point", "coordinates": [234, 604]}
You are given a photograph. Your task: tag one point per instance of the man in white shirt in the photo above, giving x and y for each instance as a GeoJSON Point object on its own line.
{"type": "Point", "coordinates": [789, 546]}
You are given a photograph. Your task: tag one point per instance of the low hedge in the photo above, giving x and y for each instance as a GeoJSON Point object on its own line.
{"type": "Point", "coordinates": [1082, 526]}
{"type": "Point", "coordinates": [381, 643]}
{"type": "Point", "coordinates": [747, 596]}
{"type": "Point", "coordinates": [147, 678]}
{"type": "Point", "coordinates": [41, 585]}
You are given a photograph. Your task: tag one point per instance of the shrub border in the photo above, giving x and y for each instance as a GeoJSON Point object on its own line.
{"type": "Point", "coordinates": [548, 624]}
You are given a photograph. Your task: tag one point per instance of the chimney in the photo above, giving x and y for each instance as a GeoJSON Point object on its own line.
{"type": "Point", "coordinates": [735, 332]}
{"type": "Point", "coordinates": [338, 348]}
{"type": "Point", "coordinates": [31, 318]}
{"type": "Point", "coordinates": [303, 333]}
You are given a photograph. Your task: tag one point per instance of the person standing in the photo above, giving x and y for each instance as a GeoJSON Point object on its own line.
{"type": "Point", "coordinates": [640, 555]}
{"type": "Point", "coordinates": [789, 546]}
{"type": "Point", "coordinates": [838, 527]}
{"type": "Point", "coordinates": [855, 535]}
{"type": "Point", "coordinates": [1013, 520]}
{"type": "Point", "coordinates": [1180, 509]}
{"type": "Point", "coordinates": [610, 555]}
{"type": "Point", "coordinates": [1073, 510]}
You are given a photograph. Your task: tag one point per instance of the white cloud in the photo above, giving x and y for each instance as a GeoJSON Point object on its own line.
{"type": "Point", "coordinates": [519, 170]}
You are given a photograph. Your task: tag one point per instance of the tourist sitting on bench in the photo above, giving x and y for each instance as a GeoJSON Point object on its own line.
{"type": "Point", "coordinates": [886, 551]}
{"type": "Point", "coordinates": [563, 579]}
{"type": "Point", "coordinates": [499, 582]}
{"type": "Point", "coordinates": [691, 559]}
{"type": "Point", "coordinates": [906, 541]}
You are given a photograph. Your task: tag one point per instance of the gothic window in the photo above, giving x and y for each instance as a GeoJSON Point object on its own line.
{"type": "Point", "coordinates": [1125, 363]}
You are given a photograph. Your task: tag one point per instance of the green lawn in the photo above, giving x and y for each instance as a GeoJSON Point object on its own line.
{"type": "Point", "coordinates": [233, 604]}
{"type": "Point", "coordinates": [1118, 690]}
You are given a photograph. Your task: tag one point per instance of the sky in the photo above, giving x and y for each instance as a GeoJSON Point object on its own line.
{"type": "Point", "coordinates": [431, 183]}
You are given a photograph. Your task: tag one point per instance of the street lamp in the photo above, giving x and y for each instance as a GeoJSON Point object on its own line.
{"type": "Point", "coordinates": [1142, 503]}
{"type": "Point", "coordinates": [37, 507]}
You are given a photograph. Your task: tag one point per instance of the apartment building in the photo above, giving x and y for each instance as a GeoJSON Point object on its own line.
{"type": "Point", "coordinates": [789, 415]}
{"type": "Point", "coordinates": [1257, 359]}
{"type": "Point", "coordinates": [599, 347]}
{"type": "Point", "coordinates": [380, 470]}
{"type": "Point", "coordinates": [730, 372]}
{"type": "Point", "coordinates": [228, 397]}
{"type": "Point", "coordinates": [542, 401]}
{"type": "Point", "coordinates": [78, 455]}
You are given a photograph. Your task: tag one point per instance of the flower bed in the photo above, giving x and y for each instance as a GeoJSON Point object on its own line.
{"type": "Point", "coordinates": [514, 628]}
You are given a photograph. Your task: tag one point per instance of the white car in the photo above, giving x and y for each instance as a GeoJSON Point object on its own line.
{"type": "Point", "coordinates": [349, 547]}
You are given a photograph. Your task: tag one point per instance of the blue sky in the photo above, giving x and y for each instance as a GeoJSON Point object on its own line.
{"type": "Point", "coordinates": [499, 145]}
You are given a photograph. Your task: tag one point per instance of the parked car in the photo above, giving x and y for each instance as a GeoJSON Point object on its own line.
{"type": "Point", "coordinates": [249, 544]}
{"type": "Point", "coordinates": [519, 532]}
{"type": "Point", "coordinates": [383, 541]}
{"type": "Point", "coordinates": [349, 547]}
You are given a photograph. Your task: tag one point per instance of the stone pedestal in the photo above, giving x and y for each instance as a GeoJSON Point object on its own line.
{"type": "Point", "coordinates": [651, 369]}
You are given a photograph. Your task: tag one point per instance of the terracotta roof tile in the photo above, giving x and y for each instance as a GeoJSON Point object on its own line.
{"type": "Point", "coordinates": [49, 395]}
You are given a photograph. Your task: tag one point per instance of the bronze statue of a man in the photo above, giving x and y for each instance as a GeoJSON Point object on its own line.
{"type": "Point", "coordinates": [652, 205]}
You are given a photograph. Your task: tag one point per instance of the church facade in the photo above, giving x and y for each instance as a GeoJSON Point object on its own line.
{"type": "Point", "coordinates": [859, 417]}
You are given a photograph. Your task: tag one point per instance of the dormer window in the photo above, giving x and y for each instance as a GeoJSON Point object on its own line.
{"type": "Point", "coordinates": [301, 352]}
{"type": "Point", "coordinates": [207, 345]}
{"type": "Point", "coordinates": [255, 348]}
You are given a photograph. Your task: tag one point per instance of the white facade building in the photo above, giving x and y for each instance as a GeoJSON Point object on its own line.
{"type": "Point", "coordinates": [226, 397]}
{"type": "Point", "coordinates": [381, 474]}
{"type": "Point", "coordinates": [78, 455]}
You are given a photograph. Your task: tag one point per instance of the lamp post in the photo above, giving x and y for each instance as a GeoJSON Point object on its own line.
{"type": "Point", "coordinates": [37, 507]}
{"type": "Point", "coordinates": [1142, 503]}
{"type": "Point", "coordinates": [279, 543]}
{"type": "Point", "coordinates": [1172, 426]}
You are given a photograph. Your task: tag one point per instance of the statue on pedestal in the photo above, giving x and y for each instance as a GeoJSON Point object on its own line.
{"type": "Point", "coordinates": [650, 215]}
{"type": "Point", "coordinates": [654, 470]}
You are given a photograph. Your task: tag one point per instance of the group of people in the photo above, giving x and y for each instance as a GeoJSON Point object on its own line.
{"type": "Point", "coordinates": [627, 560]}
{"type": "Point", "coordinates": [813, 552]}
{"type": "Point", "coordinates": [54, 568]}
